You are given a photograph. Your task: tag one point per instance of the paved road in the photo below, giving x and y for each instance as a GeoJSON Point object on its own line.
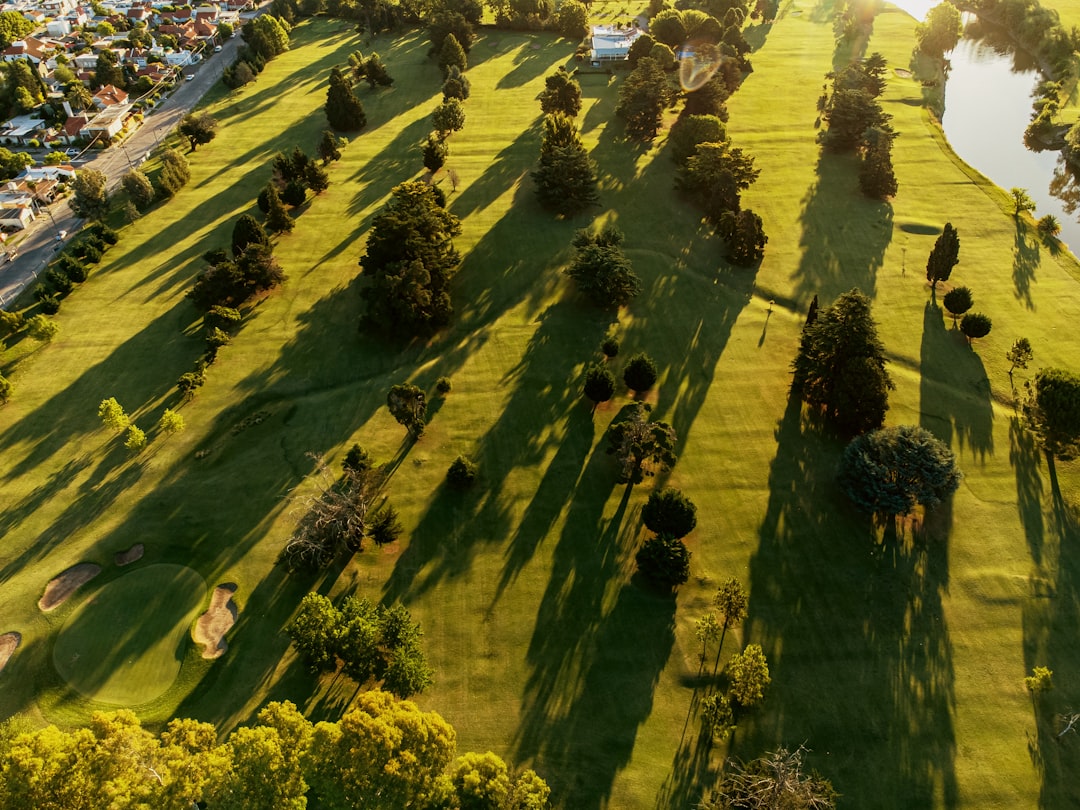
{"type": "Point", "coordinates": [40, 241]}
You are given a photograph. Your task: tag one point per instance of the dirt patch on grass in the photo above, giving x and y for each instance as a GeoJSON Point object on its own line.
{"type": "Point", "coordinates": [9, 642]}
{"type": "Point", "coordinates": [134, 553]}
{"type": "Point", "coordinates": [211, 627]}
{"type": "Point", "coordinates": [63, 586]}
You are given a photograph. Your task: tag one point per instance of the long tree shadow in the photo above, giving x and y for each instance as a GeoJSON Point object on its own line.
{"type": "Point", "coordinates": [545, 393]}
{"type": "Point", "coordinates": [1025, 262]}
{"type": "Point", "coordinates": [588, 691]}
{"type": "Point", "coordinates": [844, 234]}
{"type": "Point", "coordinates": [855, 636]}
{"type": "Point", "coordinates": [1050, 616]}
{"type": "Point", "coordinates": [954, 398]}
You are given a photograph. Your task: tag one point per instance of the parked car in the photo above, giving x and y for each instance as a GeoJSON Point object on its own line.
{"type": "Point", "coordinates": [217, 49]}
{"type": "Point", "coordinates": [190, 77]}
{"type": "Point", "coordinates": [72, 152]}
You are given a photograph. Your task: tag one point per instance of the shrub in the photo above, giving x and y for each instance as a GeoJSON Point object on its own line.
{"type": "Point", "coordinates": [669, 512]}
{"type": "Point", "coordinates": [48, 302]}
{"type": "Point", "coordinates": [10, 322]}
{"type": "Point", "coordinates": [610, 347]}
{"type": "Point", "coordinates": [357, 460]}
{"type": "Point", "coordinates": [75, 270]}
{"type": "Point", "coordinates": [664, 561]}
{"type": "Point", "coordinates": [41, 328]}
{"type": "Point", "coordinates": [91, 254]}
{"type": "Point", "coordinates": [462, 473]}
{"type": "Point", "coordinates": [385, 526]}
{"type": "Point", "coordinates": [190, 382]}
{"type": "Point", "coordinates": [59, 281]}
{"type": "Point", "coordinates": [640, 373]}
{"type": "Point", "coordinates": [5, 389]}
{"type": "Point", "coordinates": [443, 385]}
{"type": "Point", "coordinates": [103, 232]}
{"type": "Point", "coordinates": [136, 439]}
{"type": "Point", "coordinates": [222, 317]}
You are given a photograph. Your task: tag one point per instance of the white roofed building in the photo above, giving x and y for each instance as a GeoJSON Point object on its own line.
{"type": "Point", "coordinates": [612, 44]}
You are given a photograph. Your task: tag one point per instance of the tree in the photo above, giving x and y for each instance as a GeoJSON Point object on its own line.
{"type": "Point", "coordinates": [452, 55]}
{"type": "Point", "coordinates": [732, 603]}
{"type": "Point", "coordinates": [840, 367]}
{"type": "Point", "coordinates": [375, 72]}
{"type": "Point", "coordinates": [14, 26]}
{"type": "Point", "coordinates": [456, 85]}
{"type": "Point", "coordinates": [435, 153]}
{"type": "Point", "coordinates": [175, 172]}
{"type": "Point", "coordinates": [664, 561]}
{"type": "Point", "coordinates": [135, 439]}
{"type": "Point", "coordinates": [709, 99]}
{"type": "Point", "coordinates": [669, 512]}
{"type": "Point", "coordinates": [877, 179]}
{"type": "Point", "coordinates": [566, 176]}
{"type": "Point", "coordinates": [107, 71]}
{"type": "Point", "coordinates": [944, 256]}
{"type": "Point", "coordinates": [247, 231]}
{"type": "Point", "coordinates": [714, 177]}
{"type": "Point", "coordinates": [384, 526]}
{"type": "Point", "coordinates": [668, 27]}
{"type": "Point", "coordinates": [344, 112]}
{"type": "Point", "coordinates": [449, 23]}
{"type": "Point", "coordinates": [91, 200]}
{"type": "Point", "coordinates": [689, 131]}
{"type": "Point", "coordinates": [940, 31]}
{"type": "Point", "coordinates": [891, 470]}
{"type": "Point", "coordinates": [410, 259]}
{"type": "Point", "coordinates": [642, 46]}
{"type": "Point", "coordinates": [849, 114]}
{"type": "Point", "coordinates": [640, 446]}
{"type": "Point", "coordinates": [171, 422]}
{"type": "Point", "coordinates": [745, 236]}
{"type": "Point", "coordinates": [1052, 412]}
{"type": "Point", "coordinates": [448, 117]}
{"type": "Point", "coordinates": [329, 148]}
{"type": "Point", "coordinates": [112, 415]}
{"type": "Point", "coordinates": [1021, 201]}
{"type": "Point", "coordinates": [42, 328]}
{"type": "Point", "coordinates": [1019, 355]}
{"type": "Point", "coordinates": [748, 673]}
{"type": "Point", "coordinates": [775, 781]}
{"type": "Point", "coordinates": [643, 97]}
{"type": "Point", "coordinates": [561, 93]}
{"type": "Point", "coordinates": [315, 630]}
{"type": "Point", "coordinates": [601, 269]}
{"type": "Point", "coordinates": [461, 473]}
{"type": "Point", "coordinates": [480, 782]}
{"type": "Point", "coordinates": [278, 218]}
{"type": "Point", "coordinates": [408, 406]}
{"type": "Point", "coordinates": [599, 384]}
{"type": "Point", "coordinates": [198, 128]}
{"type": "Point", "coordinates": [957, 301]}
{"type": "Point", "coordinates": [1040, 680]}
{"type": "Point", "coordinates": [640, 373]}
{"type": "Point", "coordinates": [975, 325]}
{"type": "Point", "coordinates": [267, 36]}
{"type": "Point", "coordinates": [1048, 227]}
{"type": "Point", "coordinates": [572, 19]}
{"type": "Point", "coordinates": [316, 178]}
{"type": "Point", "coordinates": [5, 389]}
{"type": "Point", "coordinates": [138, 188]}
{"type": "Point", "coordinates": [294, 194]}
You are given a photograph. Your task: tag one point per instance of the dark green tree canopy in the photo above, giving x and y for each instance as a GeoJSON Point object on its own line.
{"type": "Point", "coordinates": [643, 97]}
{"type": "Point", "coordinates": [940, 31]}
{"type": "Point", "coordinates": [889, 471]}
{"type": "Point", "coordinates": [957, 301]}
{"type": "Point", "coordinates": [689, 131]}
{"type": "Point", "coordinates": [664, 561]}
{"type": "Point", "coordinates": [452, 55]}
{"type": "Point", "coordinates": [91, 200]}
{"type": "Point", "coordinates": [344, 112]}
{"type": "Point", "coordinates": [715, 176]}
{"type": "Point", "coordinates": [1052, 412]}
{"type": "Point", "coordinates": [561, 94]}
{"type": "Point", "coordinates": [639, 445]}
{"type": "Point", "coordinates": [599, 384]}
{"type": "Point", "coordinates": [944, 256]}
{"type": "Point", "coordinates": [198, 128]}
{"type": "Point", "coordinates": [410, 259]}
{"type": "Point", "coordinates": [601, 269]}
{"type": "Point", "coordinates": [840, 367]}
{"type": "Point", "coordinates": [247, 231]}
{"type": "Point", "coordinates": [566, 176]}
{"type": "Point", "coordinates": [669, 512]}
{"type": "Point", "coordinates": [640, 373]}
{"type": "Point", "coordinates": [408, 405]}
{"type": "Point", "coordinates": [975, 325]}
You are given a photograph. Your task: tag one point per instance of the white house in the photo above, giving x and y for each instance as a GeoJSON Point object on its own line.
{"type": "Point", "coordinates": [612, 44]}
{"type": "Point", "coordinates": [58, 28]}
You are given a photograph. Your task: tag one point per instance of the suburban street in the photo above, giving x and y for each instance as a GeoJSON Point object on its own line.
{"type": "Point", "coordinates": [40, 242]}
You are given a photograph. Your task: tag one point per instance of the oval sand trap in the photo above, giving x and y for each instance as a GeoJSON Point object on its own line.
{"type": "Point", "coordinates": [61, 587]}
{"type": "Point", "coordinates": [9, 642]}
{"type": "Point", "coordinates": [211, 627]}
{"type": "Point", "coordinates": [125, 643]}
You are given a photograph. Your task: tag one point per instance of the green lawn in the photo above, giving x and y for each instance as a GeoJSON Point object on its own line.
{"type": "Point", "coordinates": [900, 663]}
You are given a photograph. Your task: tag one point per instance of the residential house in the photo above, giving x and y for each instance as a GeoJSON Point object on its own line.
{"type": "Point", "coordinates": [109, 96]}
{"type": "Point", "coordinates": [38, 174]}
{"type": "Point", "coordinates": [58, 28]}
{"type": "Point", "coordinates": [611, 44]}
{"type": "Point", "coordinates": [31, 49]}
{"type": "Point", "coordinates": [107, 123]}
{"type": "Point", "coordinates": [16, 219]}
{"type": "Point", "coordinates": [72, 129]}
{"type": "Point", "coordinates": [23, 129]}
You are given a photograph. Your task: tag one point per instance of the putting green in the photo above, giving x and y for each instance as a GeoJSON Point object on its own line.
{"type": "Point", "coordinates": [125, 643]}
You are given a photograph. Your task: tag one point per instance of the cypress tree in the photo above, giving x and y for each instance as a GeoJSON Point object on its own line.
{"type": "Point", "coordinates": [344, 112]}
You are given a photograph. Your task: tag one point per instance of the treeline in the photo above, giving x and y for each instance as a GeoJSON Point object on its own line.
{"type": "Point", "coordinates": [265, 37]}
{"type": "Point", "coordinates": [383, 753]}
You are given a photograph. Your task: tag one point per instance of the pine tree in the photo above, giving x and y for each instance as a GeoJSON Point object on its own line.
{"type": "Point", "coordinates": [278, 219]}
{"type": "Point", "coordinates": [876, 176]}
{"type": "Point", "coordinates": [452, 55]}
{"type": "Point", "coordinates": [344, 112]}
{"type": "Point", "coordinates": [566, 177]}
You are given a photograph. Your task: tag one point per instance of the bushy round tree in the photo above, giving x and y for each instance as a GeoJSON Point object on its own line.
{"type": "Point", "coordinates": [890, 471]}
{"type": "Point", "coordinates": [640, 373]}
{"type": "Point", "coordinates": [599, 384]}
{"type": "Point", "coordinates": [664, 561]}
{"type": "Point", "coordinates": [462, 473]}
{"type": "Point", "coordinates": [669, 512]}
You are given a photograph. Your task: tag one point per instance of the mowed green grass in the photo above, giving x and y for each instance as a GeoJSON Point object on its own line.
{"type": "Point", "coordinates": [124, 643]}
{"type": "Point", "coordinates": [901, 666]}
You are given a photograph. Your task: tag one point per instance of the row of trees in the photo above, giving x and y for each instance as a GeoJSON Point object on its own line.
{"type": "Point", "coordinates": [565, 176]}
{"type": "Point", "coordinates": [372, 644]}
{"type": "Point", "coordinates": [113, 417]}
{"type": "Point", "coordinates": [382, 753]}
{"type": "Point", "coordinates": [265, 37]}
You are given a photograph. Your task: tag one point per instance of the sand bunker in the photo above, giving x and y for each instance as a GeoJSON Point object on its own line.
{"type": "Point", "coordinates": [211, 627]}
{"type": "Point", "coordinates": [134, 553]}
{"type": "Point", "coordinates": [9, 642]}
{"type": "Point", "coordinates": [60, 588]}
